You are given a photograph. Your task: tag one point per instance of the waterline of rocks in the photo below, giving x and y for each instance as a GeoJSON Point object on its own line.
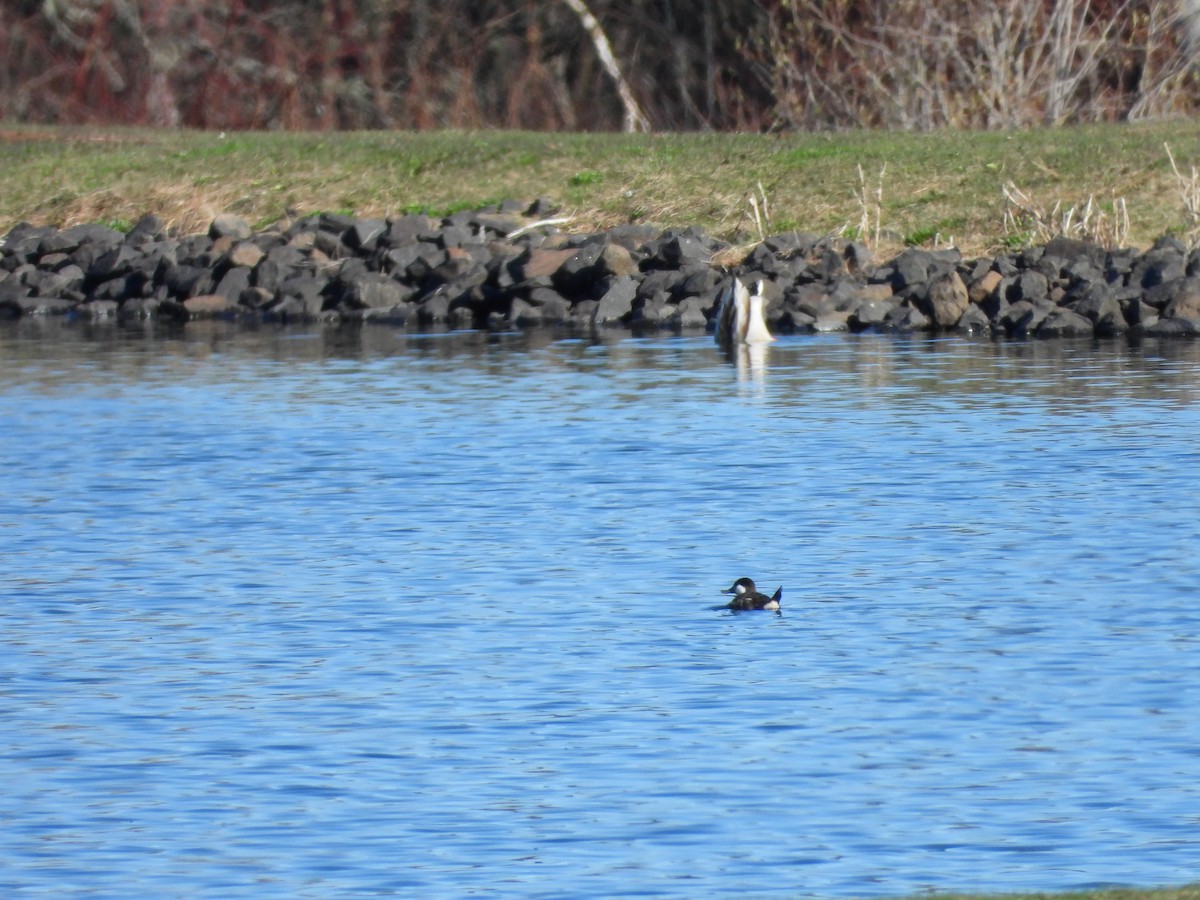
{"type": "Point", "coordinates": [497, 268]}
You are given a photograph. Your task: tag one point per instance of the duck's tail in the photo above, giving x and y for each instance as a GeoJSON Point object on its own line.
{"type": "Point", "coordinates": [778, 597]}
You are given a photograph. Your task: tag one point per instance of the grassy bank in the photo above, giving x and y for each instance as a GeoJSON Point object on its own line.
{"type": "Point", "coordinates": [946, 184]}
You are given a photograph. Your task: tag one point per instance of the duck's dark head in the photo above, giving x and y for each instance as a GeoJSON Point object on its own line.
{"type": "Point", "coordinates": [739, 587]}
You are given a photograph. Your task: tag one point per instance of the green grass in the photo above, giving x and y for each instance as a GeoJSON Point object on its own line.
{"type": "Point", "coordinates": [947, 182]}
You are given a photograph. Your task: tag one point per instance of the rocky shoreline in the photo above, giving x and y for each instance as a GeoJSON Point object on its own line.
{"type": "Point", "coordinates": [504, 267]}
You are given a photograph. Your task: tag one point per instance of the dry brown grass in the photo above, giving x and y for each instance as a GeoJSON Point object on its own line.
{"type": "Point", "coordinates": [1028, 219]}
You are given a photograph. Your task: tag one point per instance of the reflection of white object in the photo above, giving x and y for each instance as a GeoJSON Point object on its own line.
{"type": "Point", "coordinates": [741, 318]}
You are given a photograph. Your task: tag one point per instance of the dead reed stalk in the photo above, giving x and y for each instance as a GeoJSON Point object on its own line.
{"type": "Point", "coordinates": [1189, 192]}
{"type": "Point", "coordinates": [1030, 221]}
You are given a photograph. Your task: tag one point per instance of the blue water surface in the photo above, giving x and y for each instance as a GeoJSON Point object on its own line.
{"type": "Point", "coordinates": [329, 613]}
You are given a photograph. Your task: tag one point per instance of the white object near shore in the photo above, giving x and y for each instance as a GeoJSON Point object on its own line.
{"type": "Point", "coordinates": [741, 318]}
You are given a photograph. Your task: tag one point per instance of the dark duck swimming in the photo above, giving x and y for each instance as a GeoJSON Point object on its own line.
{"type": "Point", "coordinates": [747, 596]}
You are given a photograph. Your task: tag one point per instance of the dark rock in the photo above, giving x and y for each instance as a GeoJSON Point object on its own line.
{"type": "Point", "coordinates": [579, 270]}
{"type": "Point", "coordinates": [1023, 317]}
{"type": "Point", "coordinates": [229, 225]}
{"type": "Point", "coordinates": [812, 300]}
{"type": "Point", "coordinates": [658, 281]}
{"type": "Point", "coordinates": [1030, 285]}
{"type": "Point", "coordinates": [1173, 327]}
{"type": "Point", "coordinates": [376, 291]}
{"type": "Point", "coordinates": [654, 310]}
{"type": "Point", "coordinates": [244, 253]}
{"type": "Point", "coordinates": [268, 273]}
{"type": "Point", "coordinates": [1083, 271]}
{"type": "Point", "coordinates": [195, 250]}
{"type": "Point", "coordinates": [540, 208]}
{"type": "Point", "coordinates": [632, 237]}
{"type": "Point", "coordinates": [984, 286]}
{"type": "Point", "coordinates": [146, 229]}
{"type": "Point", "coordinates": [616, 303]}
{"type": "Point", "coordinates": [331, 223]}
{"type": "Point", "coordinates": [696, 281]}
{"type": "Point", "coordinates": [116, 289]}
{"type": "Point", "coordinates": [524, 313]}
{"type": "Point", "coordinates": [1138, 312]}
{"type": "Point", "coordinates": [790, 321]}
{"type": "Point", "coordinates": [256, 298]}
{"type": "Point", "coordinates": [100, 237]}
{"type": "Point", "coordinates": [616, 260]}
{"type": "Point", "coordinates": [1028, 258]}
{"type": "Point", "coordinates": [497, 224]}
{"type": "Point", "coordinates": [183, 281]}
{"type": "Point", "coordinates": [364, 234]}
{"type": "Point", "coordinates": [232, 283]}
{"type": "Point", "coordinates": [906, 318]}
{"type": "Point", "coordinates": [114, 263]}
{"type": "Point", "coordinates": [1157, 267]}
{"type": "Point", "coordinates": [974, 321]}
{"type": "Point", "coordinates": [1184, 299]}
{"type": "Point", "coordinates": [424, 258]}
{"type": "Point", "coordinates": [434, 307]}
{"type": "Point", "coordinates": [911, 267]}
{"type": "Point", "coordinates": [1049, 266]}
{"type": "Point", "coordinates": [407, 230]}
{"type": "Point", "coordinates": [1006, 266]}
{"type": "Point", "coordinates": [858, 257]}
{"type": "Point", "coordinates": [1074, 249]}
{"type": "Point", "coordinates": [458, 235]}
{"type": "Point", "coordinates": [331, 244]}
{"type": "Point", "coordinates": [869, 313]}
{"type": "Point", "coordinates": [540, 264]}
{"type": "Point", "coordinates": [59, 283]}
{"type": "Point", "coordinates": [582, 314]}
{"type": "Point", "coordinates": [1061, 322]}
{"type": "Point", "coordinates": [828, 265]}
{"type": "Point", "coordinates": [1098, 303]}
{"type": "Point", "coordinates": [688, 315]}
{"type": "Point", "coordinates": [676, 248]}
{"type": "Point", "coordinates": [300, 295]}
{"type": "Point", "coordinates": [550, 305]}
{"type": "Point", "coordinates": [946, 300]}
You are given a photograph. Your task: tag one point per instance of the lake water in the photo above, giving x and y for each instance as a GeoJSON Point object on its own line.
{"type": "Point", "coordinates": [306, 613]}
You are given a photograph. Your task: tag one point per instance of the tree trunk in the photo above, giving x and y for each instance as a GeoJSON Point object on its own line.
{"type": "Point", "coordinates": [635, 119]}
